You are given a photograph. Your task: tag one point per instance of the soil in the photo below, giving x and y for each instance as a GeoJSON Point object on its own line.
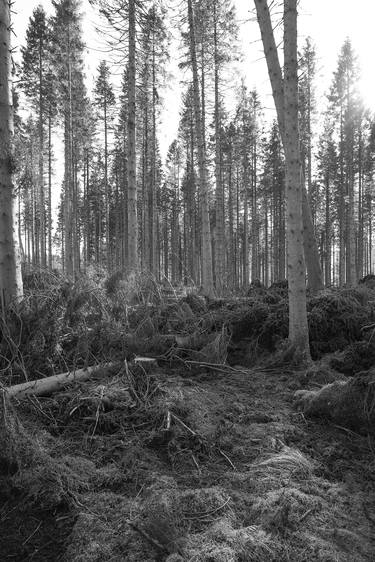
{"type": "Point", "coordinates": [195, 464]}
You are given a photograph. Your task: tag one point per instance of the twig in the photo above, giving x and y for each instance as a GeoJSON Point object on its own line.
{"type": "Point", "coordinates": [183, 424]}
{"type": "Point", "coordinates": [201, 514]}
{"type": "Point", "coordinates": [306, 514]}
{"type": "Point", "coordinates": [146, 536]}
{"type": "Point", "coordinates": [228, 459]}
{"type": "Point", "coordinates": [195, 462]}
{"type": "Point", "coordinates": [32, 534]}
{"type": "Point", "coordinates": [168, 421]}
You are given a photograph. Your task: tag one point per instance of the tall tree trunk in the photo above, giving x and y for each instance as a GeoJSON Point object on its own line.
{"type": "Point", "coordinates": [106, 187]}
{"type": "Point", "coordinates": [314, 270]}
{"type": "Point", "coordinates": [254, 209]}
{"type": "Point", "coordinates": [298, 328]}
{"type": "Point", "coordinates": [351, 273]}
{"type": "Point", "coordinates": [327, 232]}
{"type": "Point", "coordinates": [360, 207]}
{"type": "Point", "coordinates": [10, 259]}
{"type": "Point", "coordinates": [42, 208]}
{"type": "Point", "coordinates": [69, 188]}
{"type": "Point", "coordinates": [132, 177]}
{"type": "Point", "coordinates": [219, 229]}
{"type": "Point", "coordinates": [152, 192]}
{"type": "Point", "coordinates": [49, 204]}
{"type": "Point", "coordinates": [207, 276]}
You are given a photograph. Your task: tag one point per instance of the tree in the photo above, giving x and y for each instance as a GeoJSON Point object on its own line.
{"type": "Point", "coordinates": [10, 263]}
{"type": "Point", "coordinates": [298, 328]}
{"type": "Point", "coordinates": [105, 100]}
{"type": "Point", "coordinates": [347, 111]}
{"type": "Point", "coordinates": [35, 58]}
{"type": "Point", "coordinates": [68, 48]}
{"type": "Point", "coordinates": [285, 93]}
{"type": "Point", "coordinates": [307, 108]}
{"type": "Point", "coordinates": [207, 274]}
{"type": "Point", "coordinates": [132, 158]}
{"type": "Point", "coordinates": [276, 79]}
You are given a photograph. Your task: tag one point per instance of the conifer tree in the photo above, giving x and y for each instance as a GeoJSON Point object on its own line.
{"type": "Point", "coordinates": [105, 101]}
{"type": "Point", "coordinates": [36, 56]}
{"type": "Point", "coordinates": [10, 263]}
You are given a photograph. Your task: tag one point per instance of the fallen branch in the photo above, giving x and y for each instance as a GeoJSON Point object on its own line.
{"type": "Point", "coordinates": [52, 384]}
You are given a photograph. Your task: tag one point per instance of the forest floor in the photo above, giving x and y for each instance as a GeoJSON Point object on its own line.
{"type": "Point", "coordinates": [187, 460]}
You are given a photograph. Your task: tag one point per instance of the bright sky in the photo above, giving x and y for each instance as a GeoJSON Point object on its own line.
{"type": "Point", "coordinates": [328, 22]}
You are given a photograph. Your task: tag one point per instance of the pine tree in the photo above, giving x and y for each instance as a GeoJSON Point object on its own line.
{"type": "Point", "coordinates": [105, 101]}
{"type": "Point", "coordinates": [10, 263]}
{"type": "Point", "coordinates": [68, 49]}
{"type": "Point", "coordinates": [207, 273]}
{"type": "Point", "coordinates": [36, 85]}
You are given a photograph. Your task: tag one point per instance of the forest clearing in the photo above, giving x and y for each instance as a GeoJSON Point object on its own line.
{"type": "Point", "coordinates": [187, 290]}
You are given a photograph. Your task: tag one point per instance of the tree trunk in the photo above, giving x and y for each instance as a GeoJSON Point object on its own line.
{"type": "Point", "coordinates": [298, 328]}
{"type": "Point", "coordinates": [207, 276]}
{"type": "Point", "coordinates": [49, 191]}
{"type": "Point", "coordinates": [219, 229]}
{"type": "Point", "coordinates": [132, 178]}
{"type": "Point", "coordinates": [42, 209]}
{"type": "Point", "coordinates": [48, 385]}
{"type": "Point", "coordinates": [10, 261]}
{"type": "Point", "coordinates": [314, 270]}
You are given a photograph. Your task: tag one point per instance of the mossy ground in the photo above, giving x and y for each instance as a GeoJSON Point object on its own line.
{"type": "Point", "coordinates": [238, 475]}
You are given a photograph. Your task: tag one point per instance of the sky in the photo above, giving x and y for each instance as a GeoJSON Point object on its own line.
{"type": "Point", "coordinates": [327, 22]}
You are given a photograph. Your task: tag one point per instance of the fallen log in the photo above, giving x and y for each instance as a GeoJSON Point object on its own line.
{"type": "Point", "coordinates": [46, 386]}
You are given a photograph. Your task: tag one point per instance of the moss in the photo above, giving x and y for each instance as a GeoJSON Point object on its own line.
{"type": "Point", "coordinates": [347, 403]}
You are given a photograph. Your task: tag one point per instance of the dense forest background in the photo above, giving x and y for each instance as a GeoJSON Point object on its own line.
{"type": "Point", "coordinates": [122, 204]}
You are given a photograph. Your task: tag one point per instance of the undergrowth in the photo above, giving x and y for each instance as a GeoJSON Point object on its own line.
{"type": "Point", "coordinates": [60, 325]}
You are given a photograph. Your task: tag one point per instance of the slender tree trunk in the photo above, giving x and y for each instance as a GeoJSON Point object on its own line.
{"type": "Point", "coordinates": [207, 275]}
{"type": "Point", "coordinates": [106, 187]}
{"type": "Point", "coordinates": [298, 328]}
{"type": "Point", "coordinates": [351, 237]}
{"type": "Point", "coordinates": [219, 229]}
{"type": "Point", "coordinates": [360, 208]}
{"type": "Point", "coordinates": [231, 255]}
{"type": "Point", "coordinates": [342, 206]}
{"type": "Point", "coordinates": [328, 233]}
{"type": "Point", "coordinates": [254, 210]}
{"type": "Point", "coordinates": [314, 271]}
{"type": "Point", "coordinates": [10, 259]}
{"type": "Point", "coordinates": [49, 209]}
{"type": "Point", "coordinates": [69, 188]}
{"type": "Point", "coordinates": [152, 193]}
{"type": "Point", "coordinates": [245, 246]}
{"type": "Point", "coordinates": [41, 165]}
{"type": "Point", "coordinates": [132, 178]}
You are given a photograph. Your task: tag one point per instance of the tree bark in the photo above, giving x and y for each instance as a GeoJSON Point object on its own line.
{"type": "Point", "coordinates": [207, 276]}
{"type": "Point", "coordinates": [43, 387]}
{"type": "Point", "coordinates": [219, 228]}
{"type": "Point", "coordinates": [298, 328]}
{"type": "Point", "coordinates": [10, 260]}
{"type": "Point", "coordinates": [132, 173]}
{"type": "Point", "coordinates": [314, 271]}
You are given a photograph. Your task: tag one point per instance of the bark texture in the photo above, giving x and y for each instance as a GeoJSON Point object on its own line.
{"type": "Point", "coordinates": [10, 260]}
{"type": "Point", "coordinates": [314, 271]}
{"type": "Point", "coordinates": [207, 275]}
{"type": "Point", "coordinates": [298, 328]}
{"type": "Point", "coordinates": [131, 164]}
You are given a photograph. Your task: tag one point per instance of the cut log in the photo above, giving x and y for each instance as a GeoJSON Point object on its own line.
{"type": "Point", "coordinates": [46, 386]}
{"type": "Point", "coordinates": [147, 363]}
